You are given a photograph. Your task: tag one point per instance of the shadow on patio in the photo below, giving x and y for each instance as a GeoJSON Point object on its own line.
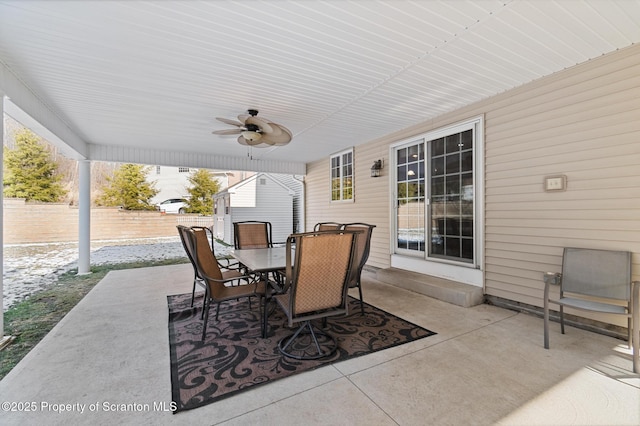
{"type": "Point", "coordinates": [486, 365]}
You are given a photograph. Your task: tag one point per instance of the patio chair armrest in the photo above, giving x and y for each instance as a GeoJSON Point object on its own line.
{"type": "Point", "coordinates": [248, 278]}
{"type": "Point", "coordinates": [549, 279]}
{"type": "Point", "coordinates": [635, 325]}
{"type": "Point", "coordinates": [635, 299]}
{"type": "Point", "coordinates": [227, 263]}
{"type": "Point", "coordinates": [552, 278]}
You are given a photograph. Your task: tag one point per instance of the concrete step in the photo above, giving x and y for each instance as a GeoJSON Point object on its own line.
{"type": "Point", "coordinates": [454, 292]}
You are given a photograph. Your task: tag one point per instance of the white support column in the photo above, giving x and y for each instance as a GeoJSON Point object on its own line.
{"type": "Point", "coordinates": [84, 222]}
{"type": "Point", "coordinates": [4, 340]}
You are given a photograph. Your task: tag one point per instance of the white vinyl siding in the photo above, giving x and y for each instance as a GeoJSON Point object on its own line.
{"type": "Point", "coordinates": [370, 206]}
{"type": "Point", "coordinates": [264, 199]}
{"type": "Point", "coordinates": [244, 195]}
{"type": "Point", "coordinates": [584, 125]}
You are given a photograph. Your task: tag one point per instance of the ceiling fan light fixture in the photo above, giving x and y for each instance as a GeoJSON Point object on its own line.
{"type": "Point", "coordinates": [251, 136]}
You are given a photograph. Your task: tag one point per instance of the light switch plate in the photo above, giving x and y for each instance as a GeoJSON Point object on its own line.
{"type": "Point", "coordinates": [555, 183]}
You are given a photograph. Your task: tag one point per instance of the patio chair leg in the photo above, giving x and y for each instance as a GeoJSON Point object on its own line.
{"type": "Point", "coordinates": [205, 316]}
{"type": "Point", "coordinates": [285, 342]}
{"type": "Point", "coordinates": [294, 335]}
{"type": "Point", "coordinates": [361, 302]}
{"type": "Point", "coordinates": [217, 310]}
{"type": "Point", "coordinates": [193, 292]}
{"type": "Point", "coordinates": [315, 339]}
{"type": "Point", "coordinates": [561, 319]}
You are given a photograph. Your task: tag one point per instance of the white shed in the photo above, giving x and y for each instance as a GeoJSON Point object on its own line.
{"type": "Point", "coordinates": [259, 197]}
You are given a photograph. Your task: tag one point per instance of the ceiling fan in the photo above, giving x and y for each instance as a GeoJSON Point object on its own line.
{"type": "Point", "coordinates": [256, 131]}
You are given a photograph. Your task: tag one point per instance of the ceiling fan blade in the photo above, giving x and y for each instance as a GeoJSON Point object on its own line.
{"type": "Point", "coordinates": [281, 136]}
{"type": "Point", "coordinates": [227, 121]}
{"type": "Point", "coordinates": [227, 132]}
{"type": "Point", "coordinates": [264, 125]}
{"type": "Point", "coordinates": [276, 129]}
{"type": "Point", "coordinates": [243, 117]}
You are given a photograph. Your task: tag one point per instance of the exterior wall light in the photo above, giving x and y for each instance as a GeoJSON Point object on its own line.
{"type": "Point", "coordinates": [376, 168]}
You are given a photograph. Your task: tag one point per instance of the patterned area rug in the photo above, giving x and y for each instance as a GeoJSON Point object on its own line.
{"type": "Point", "coordinates": [234, 357]}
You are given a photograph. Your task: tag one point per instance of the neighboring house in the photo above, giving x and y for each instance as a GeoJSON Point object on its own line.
{"type": "Point", "coordinates": [262, 197]}
{"type": "Point", "coordinates": [172, 182]}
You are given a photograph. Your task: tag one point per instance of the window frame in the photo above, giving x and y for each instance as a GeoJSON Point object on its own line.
{"type": "Point", "coordinates": [422, 261]}
{"type": "Point", "coordinates": [341, 166]}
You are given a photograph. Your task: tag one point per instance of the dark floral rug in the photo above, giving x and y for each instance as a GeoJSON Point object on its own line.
{"type": "Point", "coordinates": [234, 357]}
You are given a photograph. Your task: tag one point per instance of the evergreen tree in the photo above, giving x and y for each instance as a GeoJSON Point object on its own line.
{"type": "Point", "coordinates": [203, 187]}
{"type": "Point", "coordinates": [128, 188]}
{"type": "Point", "coordinates": [29, 172]}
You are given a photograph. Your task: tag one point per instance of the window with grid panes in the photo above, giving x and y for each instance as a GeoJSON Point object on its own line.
{"type": "Point", "coordinates": [342, 176]}
{"type": "Point", "coordinates": [435, 192]}
{"type": "Point", "coordinates": [451, 193]}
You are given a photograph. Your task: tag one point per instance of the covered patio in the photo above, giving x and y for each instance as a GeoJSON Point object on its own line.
{"type": "Point", "coordinates": [485, 366]}
{"type": "Point", "coordinates": [547, 87]}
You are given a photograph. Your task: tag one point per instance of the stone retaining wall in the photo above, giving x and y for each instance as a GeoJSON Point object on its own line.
{"type": "Point", "coordinates": [53, 222]}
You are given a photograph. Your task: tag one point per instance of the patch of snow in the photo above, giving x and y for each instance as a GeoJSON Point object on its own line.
{"type": "Point", "coordinates": [29, 268]}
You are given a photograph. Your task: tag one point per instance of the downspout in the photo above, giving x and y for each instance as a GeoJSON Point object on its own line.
{"type": "Point", "coordinates": [303, 203]}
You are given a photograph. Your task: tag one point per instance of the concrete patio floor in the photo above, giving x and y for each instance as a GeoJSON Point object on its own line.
{"type": "Point", "coordinates": [485, 366]}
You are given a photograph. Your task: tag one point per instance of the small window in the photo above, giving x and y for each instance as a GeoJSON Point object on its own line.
{"type": "Point", "coordinates": [342, 176]}
{"type": "Point", "coordinates": [183, 170]}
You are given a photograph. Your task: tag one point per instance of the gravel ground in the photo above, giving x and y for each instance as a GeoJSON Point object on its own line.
{"type": "Point", "coordinates": [32, 267]}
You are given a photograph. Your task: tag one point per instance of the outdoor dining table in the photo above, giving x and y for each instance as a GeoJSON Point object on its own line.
{"type": "Point", "coordinates": [264, 261]}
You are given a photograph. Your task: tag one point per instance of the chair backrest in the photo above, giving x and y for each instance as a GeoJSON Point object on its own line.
{"type": "Point", "coordinates": [186, 244]}
{"type": "Point", "coordinates": [319, 278]}
{"type": "Point", "coordinates": [203, 256]}
{"type": "Point", "coordinates": [251, 234]}
{"type": "Point", "coordinates": [363, 247]}
{"type": "Point", "coordinates": [598, 273]}
{"type": "Point", "coordinates": [327, 226]}
{"type": "Point", "coordinates": [209, 232]}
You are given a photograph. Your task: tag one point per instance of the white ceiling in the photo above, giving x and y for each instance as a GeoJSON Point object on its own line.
{"type": "Point", "coordinates": [154, 75]}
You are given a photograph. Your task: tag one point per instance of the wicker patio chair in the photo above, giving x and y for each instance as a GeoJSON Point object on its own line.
{"type": "Point", "coordinates": [361, 255]}
{"type": "Point", "coordinates": [317, 289]}
{"type": "Point", "coordinates": [596, 281]}
{"type": "Point", "coordinates": [218, 288]}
